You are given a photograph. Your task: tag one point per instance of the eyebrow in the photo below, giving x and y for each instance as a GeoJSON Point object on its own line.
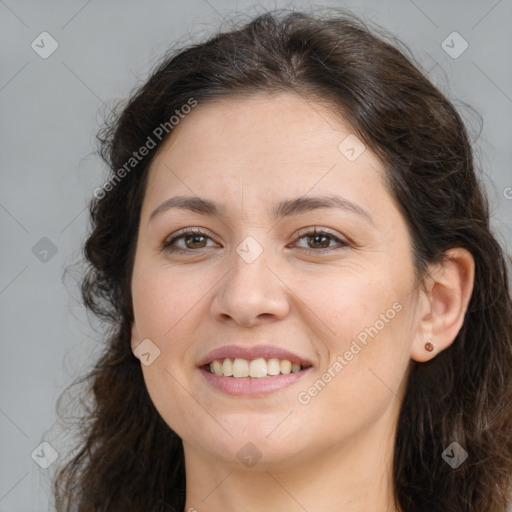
{"type": "Point", "coordinates": [283, 209]}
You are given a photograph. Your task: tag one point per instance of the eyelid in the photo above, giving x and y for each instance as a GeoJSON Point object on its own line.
{"type": "Point", "coordinates": [318, 229]}
{"type": "Point", "coordinates": [186, 231]}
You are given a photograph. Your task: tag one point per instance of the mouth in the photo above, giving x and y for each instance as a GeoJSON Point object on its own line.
{"type": "Point", "coordinates": [252, 371]}
{"type": "Point", "coordinates": [258, 368]}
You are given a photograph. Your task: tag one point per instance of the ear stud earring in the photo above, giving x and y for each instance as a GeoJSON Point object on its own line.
{"type": "Point", "coordinates": [429, 346]}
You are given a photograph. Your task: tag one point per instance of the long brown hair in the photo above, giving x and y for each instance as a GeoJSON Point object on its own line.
{"type": "Point", "coordinates": [128, 457]}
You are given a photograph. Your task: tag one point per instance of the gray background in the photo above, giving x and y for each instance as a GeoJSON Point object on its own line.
{"type": "Point", "coordinates": [50, 110]}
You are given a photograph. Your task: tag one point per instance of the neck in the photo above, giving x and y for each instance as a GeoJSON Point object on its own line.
{"type": "Point", "coordinates": [355, 477]}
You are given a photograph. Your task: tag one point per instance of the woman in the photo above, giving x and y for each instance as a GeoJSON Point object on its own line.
{"type": "Point", "coordinates": [308, 308]}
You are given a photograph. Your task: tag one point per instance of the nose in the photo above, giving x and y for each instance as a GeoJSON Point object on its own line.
{"type": "Point", "coordinates": [251, 292]}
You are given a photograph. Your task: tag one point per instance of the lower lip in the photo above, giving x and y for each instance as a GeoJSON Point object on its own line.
{"type": "Point", "coordinates": [252, 387]}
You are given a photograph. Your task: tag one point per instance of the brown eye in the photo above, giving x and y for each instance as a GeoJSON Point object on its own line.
{"type": "Point", "coordinates": [186, 241]}
{"type": "Point", "coordinates": [194, 241]}
{"type": "Point", "coordinates": [319, 241]}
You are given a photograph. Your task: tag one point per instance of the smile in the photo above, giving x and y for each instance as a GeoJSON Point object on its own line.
{"type": "Point", "coordinates": [252, 371]}
{"type": "Point", "coordinates": [255, 368]}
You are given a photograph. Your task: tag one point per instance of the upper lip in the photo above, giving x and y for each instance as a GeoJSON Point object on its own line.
{"type": "Point", "coordinates": [250, 353]}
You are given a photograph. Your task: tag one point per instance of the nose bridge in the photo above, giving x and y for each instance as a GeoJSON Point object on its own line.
{"type": "Point", "coordinates": [250, 289]}
{"type": "Point", "coordinates": [250, 261]}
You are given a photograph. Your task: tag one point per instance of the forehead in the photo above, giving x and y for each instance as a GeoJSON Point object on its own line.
{"type": "Point", "coordinates": [262, 145]}
{"type": "Point", "coordinates": [279, 121]}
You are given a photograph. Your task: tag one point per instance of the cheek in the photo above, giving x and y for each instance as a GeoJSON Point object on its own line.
{"type": "Point", "coordinates": [169, 394]}
{"type": "Point", "coordinates": [351, 302]}
{"type": "Point", "coordinates": [167, 307]}
{"type": "Point", "coordinates": [163, 299]}
{"type": "Point", "coordinates": [368, 338]}
{"type": "Point", "coordinates": [363, 380]}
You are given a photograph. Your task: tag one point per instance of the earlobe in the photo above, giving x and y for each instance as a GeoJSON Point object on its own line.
{"type": "Point", "coordinates": [447, 299]}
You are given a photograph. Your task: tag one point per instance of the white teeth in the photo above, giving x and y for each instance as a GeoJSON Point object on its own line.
{"type": "Point", "coordinates": [240, 368]}
{"type": "Point", "coordinates": [273, 366]}
{"type": "Point", "coordinates": [286, 367]}
{"type": "Point", "coordinates": [227, 367]}
{"type": "Point", "coordinates": [257, 368]}
{"type": "Point", "coordinates": [216, 367]}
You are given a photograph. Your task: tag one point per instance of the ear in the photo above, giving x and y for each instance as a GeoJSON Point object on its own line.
{"type": "Point", "coordinates": [443, 303]}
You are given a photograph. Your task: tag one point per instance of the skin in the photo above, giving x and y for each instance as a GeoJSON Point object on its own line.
{"type": "Point", "coordinates": [335, 452]}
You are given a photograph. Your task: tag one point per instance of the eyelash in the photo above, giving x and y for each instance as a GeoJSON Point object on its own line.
{"type": "Point", "coordinates": [167, 244]}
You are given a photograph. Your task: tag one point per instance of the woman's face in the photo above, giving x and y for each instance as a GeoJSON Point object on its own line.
{"type": "Point", "coordinates": [259, 293]}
